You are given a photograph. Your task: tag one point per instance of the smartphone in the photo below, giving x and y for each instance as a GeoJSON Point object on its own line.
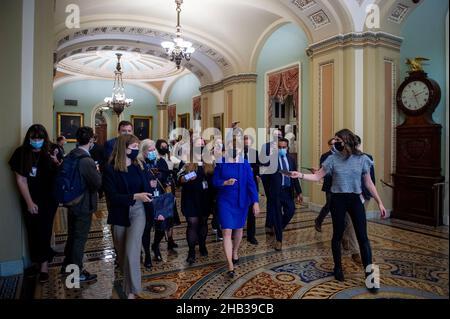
{"type": "Point", "coordinates": [285, 172]}
{"type": "Point", "coordinates": [190, 176]}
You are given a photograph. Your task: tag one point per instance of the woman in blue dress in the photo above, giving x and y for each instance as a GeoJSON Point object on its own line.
{"type": "Point", "coordinates": [236, 191]}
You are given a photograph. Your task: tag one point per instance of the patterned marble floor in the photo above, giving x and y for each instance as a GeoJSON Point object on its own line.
{"type": "Point", "coordinates": [413, 261]}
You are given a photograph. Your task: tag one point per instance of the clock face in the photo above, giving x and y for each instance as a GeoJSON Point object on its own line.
{"type": "Point", "coordinates": [415, 95]}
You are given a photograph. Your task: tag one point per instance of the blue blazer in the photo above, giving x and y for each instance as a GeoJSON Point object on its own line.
{"type": "Point", "coordinates": [275, 181]}
{"type": "Point", "coordinates": [119, 197]}
{"type": "Point", "coordinates": [248, 193]}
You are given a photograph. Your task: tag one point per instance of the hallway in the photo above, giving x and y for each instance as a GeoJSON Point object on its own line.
{"type": "Point", "coordinates": [413, 261]}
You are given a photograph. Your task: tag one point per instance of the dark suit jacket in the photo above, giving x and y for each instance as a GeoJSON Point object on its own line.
{"type": "Point", "coordinates": [120, 198]}
{"type": "Point", "coordinates": [109, 147]}
{"type": "Point", "coordinates": [275, 181]}
{"type": "Point", "coordinates": [253, 156]}
{"type": "Point", "coordinates": [327, 180]}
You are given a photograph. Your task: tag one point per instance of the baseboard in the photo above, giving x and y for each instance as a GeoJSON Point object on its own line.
{"type": "Point", "coordinates": [11, 268]}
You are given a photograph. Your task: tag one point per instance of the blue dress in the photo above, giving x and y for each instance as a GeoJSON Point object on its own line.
{"type": "Point", "coordinates": [233, 201]}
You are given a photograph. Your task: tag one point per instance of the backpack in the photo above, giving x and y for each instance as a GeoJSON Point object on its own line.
{"type": "Point", "coordinates": [70, 185]}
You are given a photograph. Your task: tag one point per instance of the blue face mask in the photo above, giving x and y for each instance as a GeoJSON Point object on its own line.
{"type": "Point", "coordinates": [133, 155]}
{"type": "Point", "coordinates": [151, 155]}
{"type": "Point", "coordinates": [37, 144]}
{"type": "Point", "coordinates": [282, 152]}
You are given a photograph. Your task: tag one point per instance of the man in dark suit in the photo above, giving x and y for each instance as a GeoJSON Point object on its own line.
{"type": "Point", "coordinates": [282, 191]}
{"type": "Point", "coordinates": [327, 180]}
{"type": "Point", "coordinates": [269, 155]}
{"type": "Point", "coordinates": [125, 128]}
{"type": "Point", "coordinates": [251, 155]}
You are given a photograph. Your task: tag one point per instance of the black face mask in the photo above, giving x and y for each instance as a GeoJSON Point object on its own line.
{"type": "Point", "coordinates": [339, 146]}
{"type": "Point", "coordinates": [163, 151]}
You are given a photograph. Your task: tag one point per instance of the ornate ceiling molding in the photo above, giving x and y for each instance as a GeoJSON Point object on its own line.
{"type": "Point", "coordinates": [364, 39]}
{"type": "Point", "coordinates": [146, 35]}
{"type": "Point", "coordinates": [131, 47]}
{"type": "Point", "coordinates": [234, 79]}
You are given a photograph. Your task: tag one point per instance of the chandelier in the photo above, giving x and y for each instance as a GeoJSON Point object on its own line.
{"type": "Point", "coordinates": [178, 49]}
{"type": "Point", "coordinates": [118, 101]}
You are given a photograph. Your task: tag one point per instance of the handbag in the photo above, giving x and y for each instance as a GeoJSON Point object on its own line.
{"type": "Point", "coordinates": [164, 204]}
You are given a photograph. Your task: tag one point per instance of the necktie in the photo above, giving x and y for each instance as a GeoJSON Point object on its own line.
{"type": "Point", "coordinates": [284, 166]}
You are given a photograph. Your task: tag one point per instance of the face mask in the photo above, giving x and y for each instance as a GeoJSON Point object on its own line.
{"type": "Point", "coordinates": [151, 156]}
{"type": "Point", "coordinates": [37, 144]}
{"type": "Point", "coordinates": [163, 151]}
{"type": "Point", "coordinates": [339, 146]}
{"type": "Point", "coordinates": [133, 155]}
{"type": "Point", "coordinates": [282, 152]}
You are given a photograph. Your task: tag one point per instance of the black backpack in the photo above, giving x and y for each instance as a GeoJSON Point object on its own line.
{"type": "Point", "coordinates": [70, 185]}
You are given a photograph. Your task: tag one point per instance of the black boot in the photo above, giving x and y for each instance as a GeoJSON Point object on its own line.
{"type": "Point", "coordinates": [148, 261]}
{"type": "Point", "coordinates": [157, 252]}
{"type": "Point", "coordinates": [191, 257]}
{"type": "Point", "coordinates": [339, 274]}
{"type": "Point", "coordinates": [203, 250]}
{"type": "Point", "coordinates": [171, 244]}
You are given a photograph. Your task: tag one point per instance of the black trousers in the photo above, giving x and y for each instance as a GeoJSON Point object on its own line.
{"type": "Point", "coordinates": [39, 229]}
{"type": "Point", "coordinates": [285, 209]}
{"type": "Point", "coordinates": [251, 223]}
{"type": "Point", "coordinates": [271, 205]}
{"type": "Point", "coordinates": [340, 205]}
{"type": "Point", "coordinates": [325, 209]}
{"type": "Point", "coordinates": [78, 231]}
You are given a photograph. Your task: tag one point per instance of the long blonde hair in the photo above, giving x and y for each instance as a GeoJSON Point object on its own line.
{"type": "Point", "coordinates": [145, 144]}
{"type": "Point", "coordinates": [119, 155]}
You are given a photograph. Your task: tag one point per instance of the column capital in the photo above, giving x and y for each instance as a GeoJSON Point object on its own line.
{"type": "Point", "coordinates": [162, 106]}
{"type": "Point", "coordinates": [355, 40]}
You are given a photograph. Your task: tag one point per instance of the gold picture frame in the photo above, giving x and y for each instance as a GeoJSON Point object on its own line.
{"type": "Point", "coordinates": [142, 126]}
{"type": "Point", "coordinates": [218, 123]}
{"type": "Point", "coordinates": [67, 125]}
{"type": "Point", "coordinates": [184, 121]}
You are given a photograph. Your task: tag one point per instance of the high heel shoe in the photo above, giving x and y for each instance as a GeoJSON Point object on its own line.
{"type": "Point", "coordinates": [235, 261]}
{"type": "Point", "coordinates": [231, 273]}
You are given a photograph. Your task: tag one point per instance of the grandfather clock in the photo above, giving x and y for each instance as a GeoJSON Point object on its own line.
{"type": "Point", "coordinates": [418, 166]}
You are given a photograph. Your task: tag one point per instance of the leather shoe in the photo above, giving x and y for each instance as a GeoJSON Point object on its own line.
{"type": "Point", "coordinates": [43, 277]}
{"type": "Point", "coordinates": [278, 246]}
{"type": "Point", "coordinates": [252, 241]}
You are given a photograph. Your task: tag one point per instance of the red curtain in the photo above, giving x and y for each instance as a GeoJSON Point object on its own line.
{"type": "Point", "coordinates": [283, 84]}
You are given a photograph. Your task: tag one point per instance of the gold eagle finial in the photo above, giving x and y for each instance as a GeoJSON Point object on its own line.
{"type": "Point", "coordinates": [415, 64]}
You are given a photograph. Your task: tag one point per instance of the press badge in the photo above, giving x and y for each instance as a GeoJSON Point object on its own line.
{"type": "Point", "coordinates": [33, 172]}
{"type": "Point", "coordinates": [156, 193]}
{"type": "Point", "coordinates": [205, 185]}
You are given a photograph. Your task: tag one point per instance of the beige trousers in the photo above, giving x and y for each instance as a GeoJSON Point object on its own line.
{"type": "Point", "coordinates": [128, 243]}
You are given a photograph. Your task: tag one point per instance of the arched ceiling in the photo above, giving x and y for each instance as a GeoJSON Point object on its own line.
{"type": "Point", "coordinates": [227, 34]}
